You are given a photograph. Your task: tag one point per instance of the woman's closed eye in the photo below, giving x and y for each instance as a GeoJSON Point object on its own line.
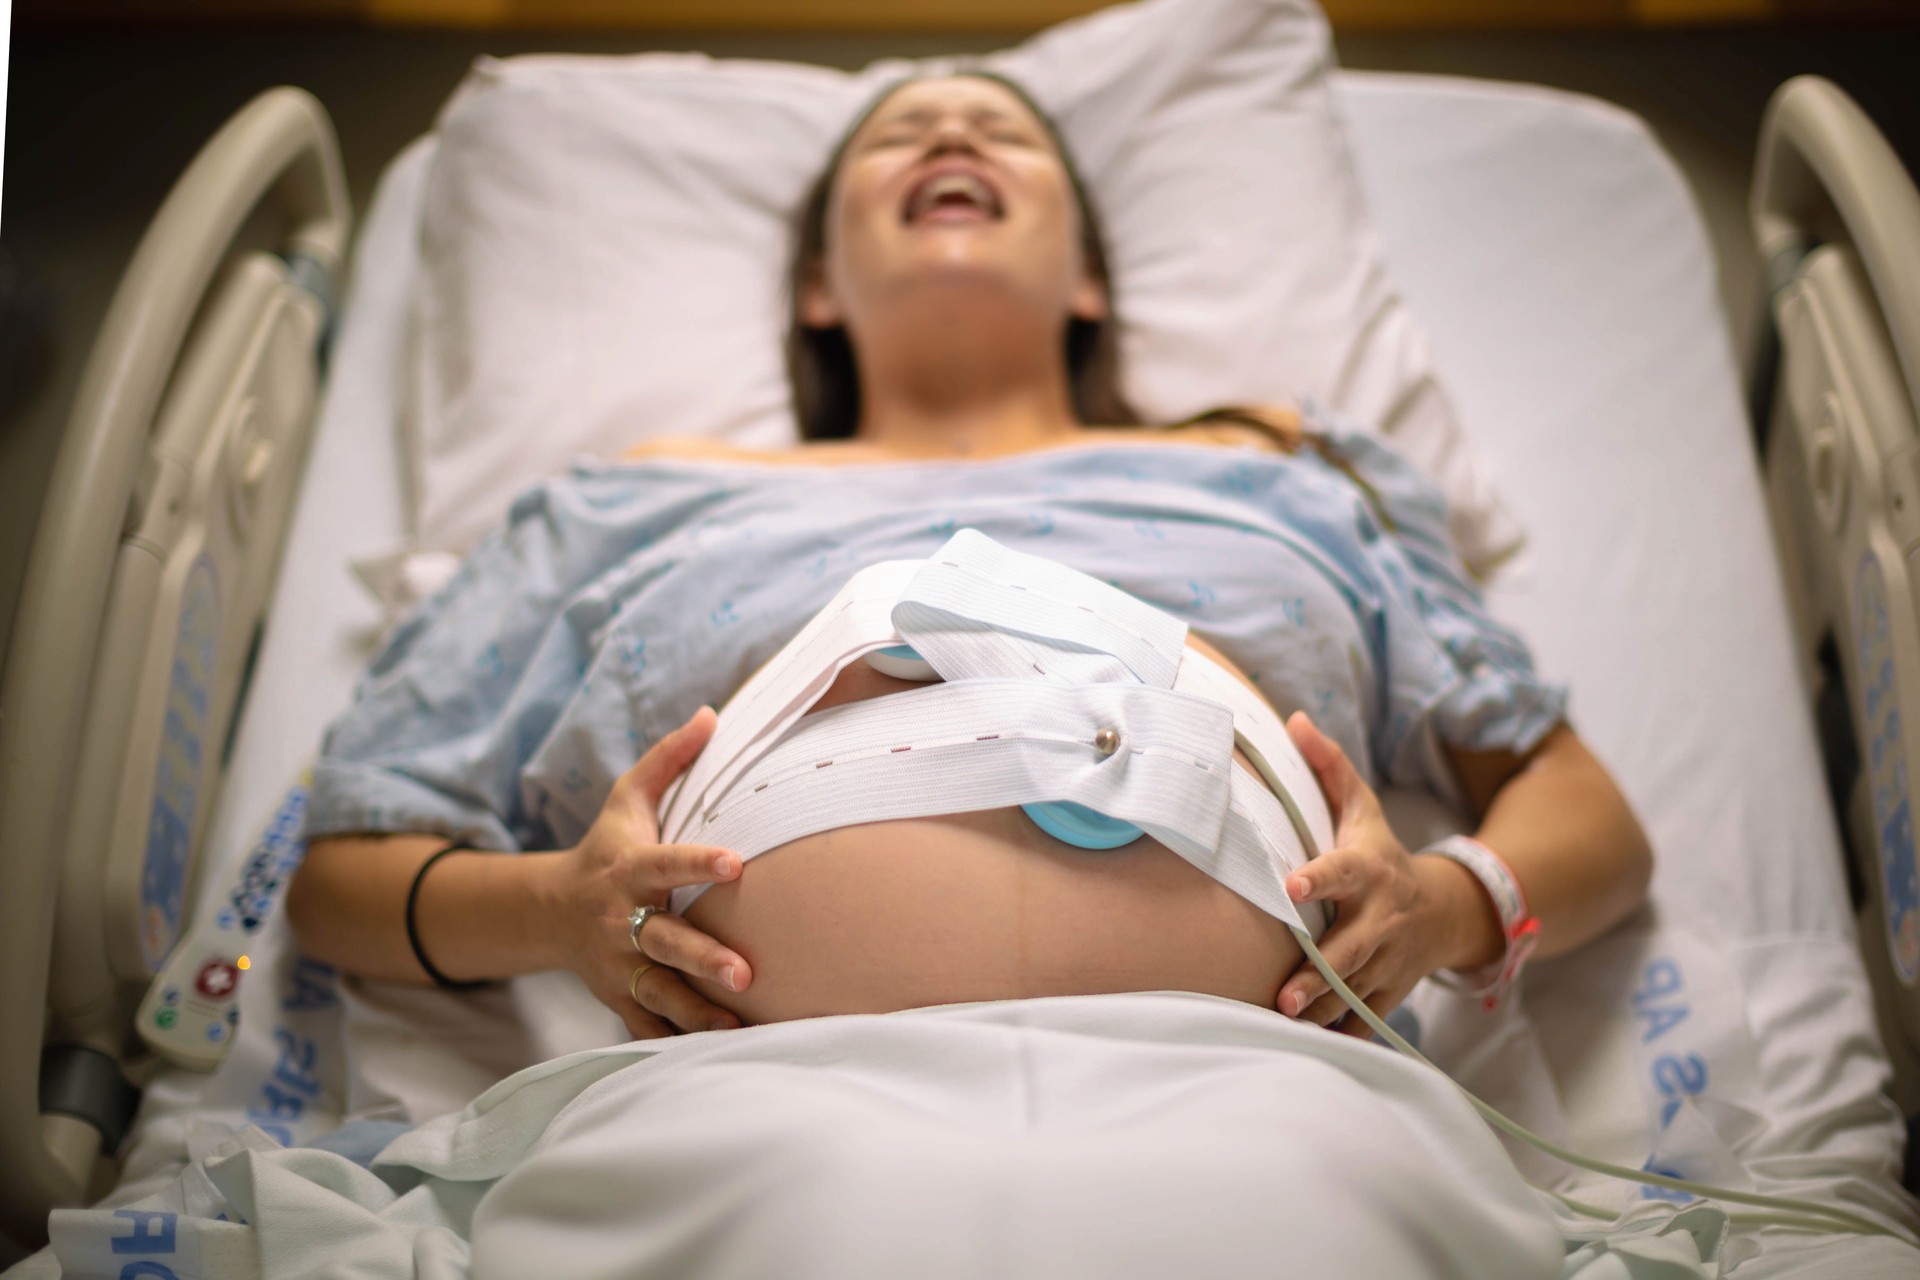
{"type": "Point", "coordinates": [912, 129]}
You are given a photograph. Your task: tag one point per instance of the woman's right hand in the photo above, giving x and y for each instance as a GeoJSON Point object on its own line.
{"type": "Point", "coordinates": [620, 864]}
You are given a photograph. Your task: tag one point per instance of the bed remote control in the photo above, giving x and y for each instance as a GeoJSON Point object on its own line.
{"type": "Point", "coordinates": [191, 1012]}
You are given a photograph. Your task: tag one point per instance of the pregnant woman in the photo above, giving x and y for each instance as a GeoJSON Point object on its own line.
{"type": "Point", "coordinates": [955, 366]}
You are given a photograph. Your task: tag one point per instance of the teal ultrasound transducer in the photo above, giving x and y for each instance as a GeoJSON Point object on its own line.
{"type": "Point", "coordinates": [1075, 824]}
{"type": "Point", "coordinates": [1078, 825]}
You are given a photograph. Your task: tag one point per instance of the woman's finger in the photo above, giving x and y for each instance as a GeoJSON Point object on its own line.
{"type": "Point", "coordinates": [1333, 876]}
{"type": "Point", "coordinates": [1380, 1003]}
{"type": "Point", "coordinates": [642, 1025]}
{"type": "Point", "coordinates": [1372, 982]}
{"type": "Point", "coordinates": [1346, 952]}
{"type": "Point", "coordinates": [611, 989]}
{"type": "Point", "coordinates": [671, 941]}
{"type": "Point", "coordinates": [662, 992]}
{"type": "Point", "coordinates": [653, 869]}
{"type": "Point", "coordinates": [667, 759]}
{"type": "Point", "coordinates": [1347, 793]}
{"type": "Point", "coordinates": [1325, 1011]}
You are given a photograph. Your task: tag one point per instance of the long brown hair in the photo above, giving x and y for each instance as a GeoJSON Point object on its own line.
{"type": "Point", "coordinates": [826, 383]}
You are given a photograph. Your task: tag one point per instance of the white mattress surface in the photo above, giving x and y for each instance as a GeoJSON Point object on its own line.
{"type": "Point", "coordinates": [1559, 265]}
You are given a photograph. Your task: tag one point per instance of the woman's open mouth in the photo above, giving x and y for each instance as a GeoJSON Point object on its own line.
{"type": "Point", "coordinates": [952, 195]}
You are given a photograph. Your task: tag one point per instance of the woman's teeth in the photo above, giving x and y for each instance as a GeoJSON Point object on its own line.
{"type": "Point", "coordinates": [952, 197]}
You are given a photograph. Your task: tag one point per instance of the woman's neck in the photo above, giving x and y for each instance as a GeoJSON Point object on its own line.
{"type": "Point", "coordinates": [970, 399]}
{"type": "Point", "coordinates": [976, 430]}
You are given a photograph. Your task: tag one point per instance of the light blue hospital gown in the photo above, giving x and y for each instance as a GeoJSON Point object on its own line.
{"type": "Point", "coordinates": [617, 600]}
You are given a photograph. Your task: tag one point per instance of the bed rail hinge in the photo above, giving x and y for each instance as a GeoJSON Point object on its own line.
{"type": "Point", "coordinates": [1764, 382]}
{"type": "Point", "coordinates": [313, 276]}
{"type": "Point", "coordinates": [87, 1085]}
{"type": "Point", "coordinates": [1839, 757]}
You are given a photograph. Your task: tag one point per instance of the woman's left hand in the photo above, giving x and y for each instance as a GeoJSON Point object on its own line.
{"type": "Point", "coordinates": [1397, 917]}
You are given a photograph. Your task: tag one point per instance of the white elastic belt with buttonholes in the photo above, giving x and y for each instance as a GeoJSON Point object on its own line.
{"type": "Point", "coordinates": [1054, 687]}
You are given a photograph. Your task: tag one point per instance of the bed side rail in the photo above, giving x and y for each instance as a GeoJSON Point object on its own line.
{"type": "Point", "coordinates": [181, 307]}
{"type": "Point", "coordinates": [1837, 221]}
{"type": "Point", "coordinates": [1826, 175]}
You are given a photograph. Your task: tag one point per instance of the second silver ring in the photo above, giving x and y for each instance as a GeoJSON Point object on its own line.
{"type": "Point", "coordinates": [638, 921]}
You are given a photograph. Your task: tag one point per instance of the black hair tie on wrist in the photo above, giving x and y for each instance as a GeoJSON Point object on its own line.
{"type": "Point", "coordinates": [440, 979]}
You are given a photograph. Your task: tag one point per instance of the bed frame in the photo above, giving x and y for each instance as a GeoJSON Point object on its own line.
{"type": "Point", "coordinates": [156, 552]}
{"type": "Point", "coordinates": [148, 577]}
{"type": "Point", "coordinates": [1836, 406]}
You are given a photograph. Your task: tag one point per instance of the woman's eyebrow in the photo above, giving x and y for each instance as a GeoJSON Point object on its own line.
{"type": "Point", "coordinates": [926, 115]}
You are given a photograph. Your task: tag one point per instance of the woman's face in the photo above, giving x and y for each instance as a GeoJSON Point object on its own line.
{"type": "Point", "coordinates": [950, 192]}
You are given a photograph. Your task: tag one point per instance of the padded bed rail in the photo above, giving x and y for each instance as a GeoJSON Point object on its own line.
{"type": "Point", "coordinates": [1837, 220]}
{"type": "Point", "coordinates": [148, 575]}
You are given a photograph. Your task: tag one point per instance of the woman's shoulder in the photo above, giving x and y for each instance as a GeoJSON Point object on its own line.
{"type": "Point", "coordinates": [704, 449]}
{"type": "Point", "coordinates": [1261, 428]}
{"type": "Point", "coordinates": [684, 448]}
{"type": "Point", "coordinates": [1266, 428]}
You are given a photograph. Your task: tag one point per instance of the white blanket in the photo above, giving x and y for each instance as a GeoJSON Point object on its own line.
{"type": "Point", "coordinates": [1125, 1135]}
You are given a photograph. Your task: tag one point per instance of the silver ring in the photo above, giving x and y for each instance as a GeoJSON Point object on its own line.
{"type": "Point", "coordinates": [638, 921]}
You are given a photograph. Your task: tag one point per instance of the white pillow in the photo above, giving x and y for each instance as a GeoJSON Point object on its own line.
{"type": "Point", "coordinates": [605, 243]}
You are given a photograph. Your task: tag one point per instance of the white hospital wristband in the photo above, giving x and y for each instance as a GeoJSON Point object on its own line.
{"type": "Point", "coordinates": [1517, 923]}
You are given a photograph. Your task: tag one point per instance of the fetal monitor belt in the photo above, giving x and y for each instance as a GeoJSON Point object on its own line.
{"type": "Point", "coordinates": [1056, 688]}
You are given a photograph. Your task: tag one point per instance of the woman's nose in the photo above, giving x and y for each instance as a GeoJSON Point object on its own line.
{"type": "Point", "coordinates": [953, 134]}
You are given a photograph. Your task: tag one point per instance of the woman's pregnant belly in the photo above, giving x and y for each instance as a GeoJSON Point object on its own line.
{"type": "Point", "coordinates": [978, 906]}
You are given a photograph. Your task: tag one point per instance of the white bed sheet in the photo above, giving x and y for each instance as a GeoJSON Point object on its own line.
{"type": "Point", "coordinates": [1555, 257]}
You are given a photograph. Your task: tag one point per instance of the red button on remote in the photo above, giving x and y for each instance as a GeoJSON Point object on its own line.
{"type": "Point", "coordinates": [216, 980]}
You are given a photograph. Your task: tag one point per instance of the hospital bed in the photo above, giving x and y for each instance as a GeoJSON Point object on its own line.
{"type": "Point", "coordinates": [1560, 266]}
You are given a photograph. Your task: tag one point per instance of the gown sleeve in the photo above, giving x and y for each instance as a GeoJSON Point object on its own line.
{"type": "Point", "coordinates": [1452, 674]}
{"type": "Point", "coordinates": [461, 695]}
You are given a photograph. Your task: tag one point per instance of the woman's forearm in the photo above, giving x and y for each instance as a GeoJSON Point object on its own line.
{"type": "Point", "coordinates": [479, 915]}
{"type": "Point", "coordinates": [1574, 845]}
